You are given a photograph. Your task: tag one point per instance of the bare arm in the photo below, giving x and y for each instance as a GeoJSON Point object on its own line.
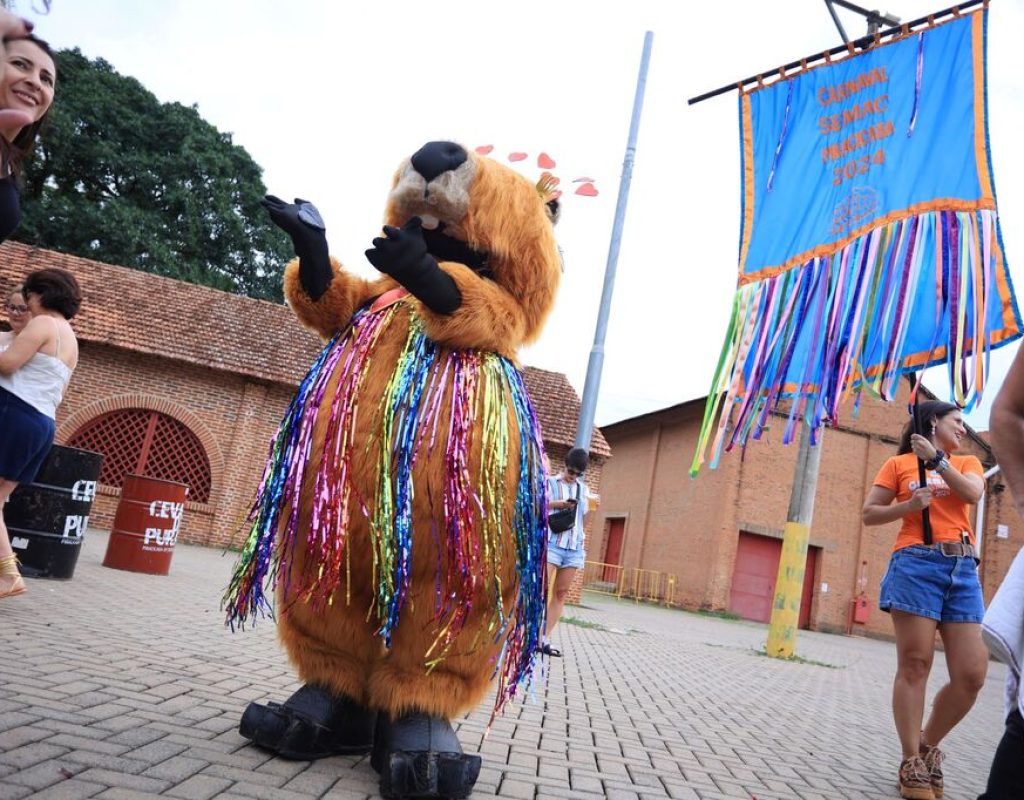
{"type": "Point", "coordinates": [25, 345]}
{"type": "Point", "coordinates": [880, 509]}
{"type": "Point", "coordinates": [968, 488]}
{"type": "Point", "coordinates": [1006, 426]}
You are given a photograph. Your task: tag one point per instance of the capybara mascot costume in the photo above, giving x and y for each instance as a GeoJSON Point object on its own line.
{"type": "Point", "coordinates": [401, 514]}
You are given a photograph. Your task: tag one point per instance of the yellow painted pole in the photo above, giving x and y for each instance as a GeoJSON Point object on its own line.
{"type": "Point", "coordinates": [789, 584]}
{"type": "Point", "coordinates": [789, 587]}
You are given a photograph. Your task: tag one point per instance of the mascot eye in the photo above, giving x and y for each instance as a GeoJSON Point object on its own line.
{"type": "Point", "coordinates": [554, 210]}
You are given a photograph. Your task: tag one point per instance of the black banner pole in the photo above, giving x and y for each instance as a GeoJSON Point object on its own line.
{"type": "Point", "coordinates": [922, 478]}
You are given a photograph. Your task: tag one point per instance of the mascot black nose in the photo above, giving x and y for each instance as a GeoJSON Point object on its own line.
{"type": "Point", "coordinates": [436, 158]}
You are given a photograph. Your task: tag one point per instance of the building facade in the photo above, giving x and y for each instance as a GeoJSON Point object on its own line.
{"type": "Point", "coordinates": [720, 534]}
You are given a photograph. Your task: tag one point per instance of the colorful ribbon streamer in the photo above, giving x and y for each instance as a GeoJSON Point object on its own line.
{"type": "Point", "coordinates": [803, 336]}
{"type": "Point", "coordinates": [471, 404]}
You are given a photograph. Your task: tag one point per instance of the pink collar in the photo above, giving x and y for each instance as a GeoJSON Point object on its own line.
{"type": "Point", "coordinates": [390, 297]}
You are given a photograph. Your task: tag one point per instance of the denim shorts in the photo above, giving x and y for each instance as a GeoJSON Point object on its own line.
{"type": "Point", "coordinates": [922, 581]}
{"type": "Point", "coordinates": [563, 557]}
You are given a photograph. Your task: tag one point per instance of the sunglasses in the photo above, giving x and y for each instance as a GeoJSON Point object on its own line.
{"type": "Point", "coordinates": [13, 309]}
{"type": "Point", "coordinates": [572, 473]}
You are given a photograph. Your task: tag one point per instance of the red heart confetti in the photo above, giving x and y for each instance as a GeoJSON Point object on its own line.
{"type": "Point", "coordinates": [544, 161]}
{"type": "Point", "coordinates": [516, 156]}
{"type": "Point", "coordinates": [587, 190]}
{"type": "Point", "coordinates": [484, 149]}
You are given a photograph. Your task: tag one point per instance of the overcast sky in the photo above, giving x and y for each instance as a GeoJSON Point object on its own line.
{"type": "Point", "coordinates": [328, 97]}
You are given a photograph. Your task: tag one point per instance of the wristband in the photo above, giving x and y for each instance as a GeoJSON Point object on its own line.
{"type": "Point", "coordinates": [933, 462]}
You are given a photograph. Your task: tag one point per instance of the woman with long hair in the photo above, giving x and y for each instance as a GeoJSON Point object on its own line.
{"type": "Point", "coordinates": [28, 79]}
{"type": "Point", "coordinates": [931, 586]}
{"type": "Point", "coordinates": [36, 366]}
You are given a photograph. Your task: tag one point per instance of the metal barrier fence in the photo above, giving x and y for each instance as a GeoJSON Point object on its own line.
{"type": "Point", "coordinates": [648, 585]}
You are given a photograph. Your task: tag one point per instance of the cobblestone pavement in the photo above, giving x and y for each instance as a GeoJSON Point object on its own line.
{"type": "Point", "coordinates": [121, 685]}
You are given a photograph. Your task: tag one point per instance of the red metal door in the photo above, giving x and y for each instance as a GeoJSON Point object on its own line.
{"type": "Point", "coordinates": [753, 579]}
{"type": "Point", "coordinates": [613, 548]}
{"type": "Point", "coordinates": [807, 597]}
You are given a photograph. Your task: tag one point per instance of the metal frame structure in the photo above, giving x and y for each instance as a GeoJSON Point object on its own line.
{"type": "Point", "coordinates": [863, 42]}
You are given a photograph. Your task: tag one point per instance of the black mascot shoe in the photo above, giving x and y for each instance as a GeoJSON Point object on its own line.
{"type": "Point", "coordinates": [312, 723]}
{"type": "Point", "coordinates": [419, 756]}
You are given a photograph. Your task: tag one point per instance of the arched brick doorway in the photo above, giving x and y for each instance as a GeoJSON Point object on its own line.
{"type": "Point", "coordinates": [143, 441]}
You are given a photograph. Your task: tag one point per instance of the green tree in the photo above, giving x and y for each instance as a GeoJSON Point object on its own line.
{"type": "Point", "coordinates": [120, 177]}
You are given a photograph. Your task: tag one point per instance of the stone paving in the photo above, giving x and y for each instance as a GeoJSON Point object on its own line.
{"type": "Point", "coordinates": [119, 685]}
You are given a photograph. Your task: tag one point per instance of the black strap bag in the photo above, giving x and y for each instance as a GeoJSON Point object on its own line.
{"type": "Point", "coordinates": [560, 521]}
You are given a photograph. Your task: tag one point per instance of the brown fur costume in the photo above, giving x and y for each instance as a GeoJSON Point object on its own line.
{"type": "Point", "coordinates": [496, 212]}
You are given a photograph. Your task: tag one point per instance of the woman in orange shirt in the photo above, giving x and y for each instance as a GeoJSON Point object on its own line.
{"type": "Point", "coordinates": [929, 587]}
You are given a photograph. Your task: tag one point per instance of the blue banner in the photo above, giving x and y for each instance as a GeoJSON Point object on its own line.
{"type": "Point", "coordinates": [878, 137]}
{"type": "Point", "coordinates": [869, 242]}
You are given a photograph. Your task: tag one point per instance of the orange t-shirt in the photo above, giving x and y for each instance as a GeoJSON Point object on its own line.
{"type": "Point", "coordinates": [947, 513]}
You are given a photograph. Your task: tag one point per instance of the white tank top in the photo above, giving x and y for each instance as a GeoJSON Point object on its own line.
{"type": "Point", "coordinates": [40, 381]}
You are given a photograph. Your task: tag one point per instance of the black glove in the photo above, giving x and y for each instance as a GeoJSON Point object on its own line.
{"type": "Point", "coordinates": [302, 222]}
{"type": "Point", "coordinates": [402, 254]}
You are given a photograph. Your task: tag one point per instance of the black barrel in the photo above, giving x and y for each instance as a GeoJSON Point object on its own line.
{"type": "Point", "coordinates": [47, 519]}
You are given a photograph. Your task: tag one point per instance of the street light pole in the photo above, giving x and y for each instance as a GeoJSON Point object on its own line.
{"type": "Point", "coordinates": [588, 405]}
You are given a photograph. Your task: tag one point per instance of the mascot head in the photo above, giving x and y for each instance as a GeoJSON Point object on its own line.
{"type": "Point", "coordinates": [481, 214]}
